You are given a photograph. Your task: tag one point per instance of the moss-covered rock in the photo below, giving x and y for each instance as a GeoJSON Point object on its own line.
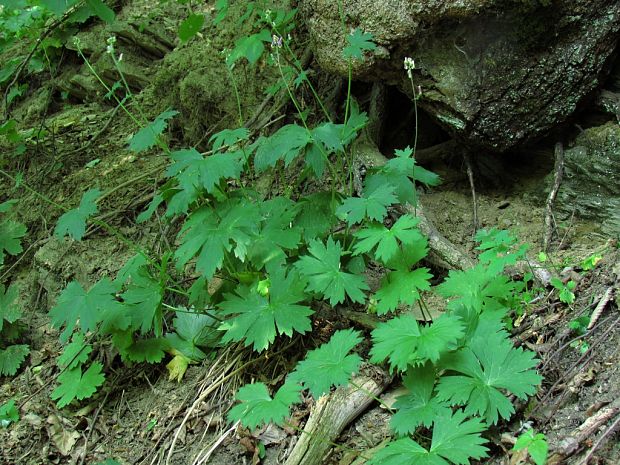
{"type": "Point", "coordinates": [495, 73]}
{"type": "Point", "coordinates": [591, 184]}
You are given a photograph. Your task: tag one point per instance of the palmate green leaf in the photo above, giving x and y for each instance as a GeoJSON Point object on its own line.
{"type": "Point", "coordinates": [358, 42]}
{"type": "Point", "coordinates": [75, 305]}
{"type": "Point", "coordinates": [73, 384]}
{"type": "Point", "coordinates": [478, 288]}
{"type": "Point", "coordinates": [249, 47]}
{"type": "Point", "coordinates": [211, 234]}
{"type": "Point", "coordinates": [326, 139]}
{"type": "Point", "coordinates": [488, 365]}
{"type": "Point", "coordinates": [198, 328]}
{"type": "Point", "coordinates": [404, 231]}
{"type": "Point", "coordinates": [400, 172]}
{"type": "Point", "coordinates": [150, 350]}
{"type": "Point", "coordinates": [191, 26]}
{"type": "Point", "coordinates": [401, 287]}
{"type": "Point", "coordinates": [146, 137]}
{"type": "Point", "coordinates": [8, 413]}
{"type": "Point", "coordinates": [330, 364]}
{"type": "Point", "coordinates": [195, 174]}
{"type": "Point", "coordinates": [75, 353]}
{"type": "Point", "coordinates": [317, 214]}
{"type": "Point", "coordinates": [11, 234]}
{"type": "Point", "coordinates": [10, 309]}
{"type": "Point", "coordinates": [285, 144]}
{"type": "Point", "coordinates": [455, 441]}
{"type": "Point", "coordinates": [404, 343]}
{"type": "Point", "coordinates": [11, 358]}
{"type": "Point", "coordinates": [192, 331]}
{"type": "Point", "coordinates": [419, 406]}
{"type": "Point", "coordinates": [322, 268]}
{"type": "Point", "coordinates": [499, 249]}
{"type": "Point", "coordinates": [73, 222]}
{"type": "Point", "coordinates": [277, 232]}
{"type": "Point", "coordinates": [372, 205]}
{"type": "Point", "coordinates": [143, 299]}
{"type": "Point", "coordinates": [228, 138]}
{"type": "Point", "coordinates": [536, 445]}
{"type": "Point", "coordinates": [258, 408]}
{"type": "Point", "coordinates": [130, 268]}
{"type": "Point", "coordinates": [258, 318]}
{"type": "Point", "coordinates": [103, 11]}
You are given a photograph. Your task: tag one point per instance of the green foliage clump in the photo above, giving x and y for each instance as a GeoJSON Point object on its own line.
{"type": "Point", "coordinates": [260, 263]}
{"type": "Point", "coordinates": [12, 355]}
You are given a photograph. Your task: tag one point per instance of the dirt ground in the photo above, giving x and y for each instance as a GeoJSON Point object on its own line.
{"type": "Point", "coordinates": [142, 417]}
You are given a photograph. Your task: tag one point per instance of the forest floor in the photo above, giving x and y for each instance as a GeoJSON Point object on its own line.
{"type": "Point", "coordinates": [142, 417]}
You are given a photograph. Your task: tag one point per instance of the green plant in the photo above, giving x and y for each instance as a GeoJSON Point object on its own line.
{"type": "Point", "coordinates": [565, 291]}
{"type": "Point", "coordinates": [536, 445]}
{"type": "Point", "coordinates": [8, 413]}
{"type": "Point", "coordinates": [580, 327]}
{"type": "Point", "coordinates": [11, 355]}
{"type": "Point", "coordinates": [260, 262]}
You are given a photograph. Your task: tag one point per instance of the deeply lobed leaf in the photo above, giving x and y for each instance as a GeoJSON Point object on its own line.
{"type": "Point", "coordinates": [258, 318]}
{"type": "Point", "coordinates": [455, 440]}
{"type": "Point", "coordinates": [402, 342]}
{"type": "Point", "coordinates": [322, 268]}
{"type": "Point", "coordinates": [257, 407]}
{"type": "Point", "coordinates": [330, 364]}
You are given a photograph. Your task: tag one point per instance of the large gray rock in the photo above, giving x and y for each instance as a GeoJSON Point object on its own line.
{"type": "Point", "coordinates": [496, 73]}
{"type": "Point", "coordinates": [591, 184]}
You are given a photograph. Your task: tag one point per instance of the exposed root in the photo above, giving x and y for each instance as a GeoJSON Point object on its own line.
{"type": "Point", "coordinates": [557, 180]}
{"type": "Point", "coordinates": [470, 175]}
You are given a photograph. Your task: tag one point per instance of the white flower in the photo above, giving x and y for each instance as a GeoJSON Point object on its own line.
{"type": "Point", "coordinates": [276, 41]}
{"type": "Point", "coordinates": [111, 41]}
{"type": "Point", "coordinates": [409, 65]}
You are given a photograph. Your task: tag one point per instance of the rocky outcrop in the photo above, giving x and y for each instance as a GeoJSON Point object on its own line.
{"type": "Point", "coordinates": [496, 73]}
{"type": "Point", "coordinates": [591, 183]}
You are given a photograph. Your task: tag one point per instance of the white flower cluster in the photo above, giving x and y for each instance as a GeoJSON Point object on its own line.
{"type": "Point", "coordinates": [409, 66]}
{"type": "Point", "coordinates": [110, 48]}
{"type": "Point", "coordinates": [276, 41]}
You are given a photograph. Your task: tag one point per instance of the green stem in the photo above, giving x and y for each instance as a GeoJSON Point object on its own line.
{"type": "Point", "coordinates": [234, 83]}
{"type": "Point", "coordinates": [303, 120]}
{"type": "Point", "coordinates": [415, 146]}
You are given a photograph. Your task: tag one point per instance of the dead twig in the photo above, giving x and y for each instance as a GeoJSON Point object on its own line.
{"type": "Point", "coordinates": [586, 430]}
{"type": "Point", "coordinates": [602, 440]}
{"type": "Point", "coordinates": [557, 180]}
{"type": "Point", "coordinates": [92, 427]}
{"type": "Point", "coordinates": [470, 175]}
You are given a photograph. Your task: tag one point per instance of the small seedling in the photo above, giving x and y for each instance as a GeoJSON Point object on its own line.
{"type": "Point", "coordinates": [566, 293]}
{"type": "Point", "coordinates": [536, 445]}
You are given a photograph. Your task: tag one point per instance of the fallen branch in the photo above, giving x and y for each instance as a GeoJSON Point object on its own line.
{"type": "Point", "coordinates": [472, 185]}
{"type": "Point", "coordinates": [332, 413]}
{"type": "Point", "coordinates": [588, 428]}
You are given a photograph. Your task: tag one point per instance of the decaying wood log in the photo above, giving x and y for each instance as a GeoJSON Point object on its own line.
{"type": "Point", "coordinates": [332, 413]}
